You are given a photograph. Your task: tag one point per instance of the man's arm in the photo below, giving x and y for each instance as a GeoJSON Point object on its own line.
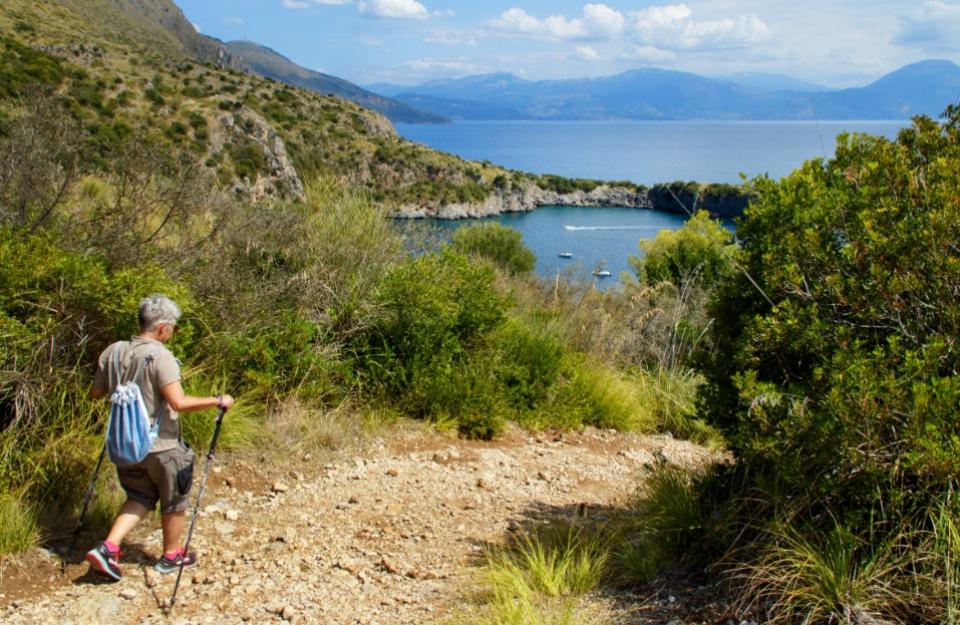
{"type": "Point", "coordinates": [181, 402]}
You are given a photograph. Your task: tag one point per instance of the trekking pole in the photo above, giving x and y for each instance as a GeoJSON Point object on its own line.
{"type": "Point", "coordinates": [196, 508]}
{"type": "Point", "coordinates": [91, 488]}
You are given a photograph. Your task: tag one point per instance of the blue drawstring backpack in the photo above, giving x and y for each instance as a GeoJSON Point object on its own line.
{"type": "Point", "coordinates": [130, 431]}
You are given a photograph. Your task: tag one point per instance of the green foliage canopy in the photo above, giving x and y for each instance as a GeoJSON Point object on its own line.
{"type": "Point", "coordinates": [500, 244]}
{"type": "Point", "coordinates": [702, 247]}
{"type": "Point", "coordinates": [838, 372]}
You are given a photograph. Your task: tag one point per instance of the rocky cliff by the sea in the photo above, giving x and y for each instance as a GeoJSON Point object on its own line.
{"type": "Point", "coordinates": [527, 197]}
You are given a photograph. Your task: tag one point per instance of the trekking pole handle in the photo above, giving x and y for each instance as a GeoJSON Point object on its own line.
{"type": "Point", "coordinates": [216, 434]}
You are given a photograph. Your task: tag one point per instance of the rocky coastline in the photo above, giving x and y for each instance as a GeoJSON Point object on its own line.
{"type": "Point", "coordinates": [528, 197]}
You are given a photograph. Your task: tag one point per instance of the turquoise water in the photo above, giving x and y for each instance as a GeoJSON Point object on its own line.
{"type": "Point", "coordinates": [644, 152]}
{"type": "Point", "coordinates": [594, 236]}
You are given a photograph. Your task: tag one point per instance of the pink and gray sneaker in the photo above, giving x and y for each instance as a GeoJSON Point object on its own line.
{"type": "Point", "coordinates": [104, 561]}
{"type": "Point", "coordinates": [169, 565]}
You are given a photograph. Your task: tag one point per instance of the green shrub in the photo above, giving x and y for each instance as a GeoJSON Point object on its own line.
{"type": "Point", "coordinates": [57, 311]}
{"type": "Point", "coordinates": [21, 66]}
{"type": "Point", "coordinates": [834, 378]}
{"type": "Point", "coordinates": [497, 243]}
{"type": "Point", "coordinates": [701, 247]}
{"type": "Point", "coordinates": [531, 361]}
{"type": "Point", "coordinates": [434, 309]}
{"type": "Point", "coordinates": [248, 160]}
{"type": "Point", "coordinates": [836, 370]}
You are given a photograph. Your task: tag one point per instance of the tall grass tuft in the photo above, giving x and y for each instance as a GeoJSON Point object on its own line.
{"type": "Point", "coordinates": [831, 577]}
{"type": "Point", "coordinates": [242, 424]}
{"type": "Point", "coordinates": [538, 579]}
{"type": "Point", "coordinates": [19, 530]}
{"type": "Point", "coordinates": [595, 394]}
{"type": "Point", "coordinates": [106, 502]}
{"type": "Point", "coordinates": [674, 394]}
{"type": "Point", "coordinates": [568, 562]}
{"type": "Point", "coordinates": [943, 565]}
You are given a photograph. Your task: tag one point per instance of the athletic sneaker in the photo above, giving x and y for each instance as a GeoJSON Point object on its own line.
{"type": "Point", "coordinates": [166, 565]}
{"type": "Point", "coordinates": [104, 561]}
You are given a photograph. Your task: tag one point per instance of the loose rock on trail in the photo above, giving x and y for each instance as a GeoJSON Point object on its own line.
{"type": "Point", "coordinates": [388, 536]}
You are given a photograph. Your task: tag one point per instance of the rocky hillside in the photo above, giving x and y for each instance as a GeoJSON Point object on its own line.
{"type": "Point", "coordinates": [120, 73]}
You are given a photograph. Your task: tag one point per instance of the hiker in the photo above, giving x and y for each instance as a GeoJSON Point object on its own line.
{"type": "Point", "coordinates": [166, 473]}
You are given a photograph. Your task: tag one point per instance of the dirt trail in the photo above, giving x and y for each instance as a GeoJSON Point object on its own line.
{"type": "Point", "coordinates": [386, 537]}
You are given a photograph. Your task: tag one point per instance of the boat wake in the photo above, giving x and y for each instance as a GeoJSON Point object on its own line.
{"type": "Point", "coordinates": [577, 228]}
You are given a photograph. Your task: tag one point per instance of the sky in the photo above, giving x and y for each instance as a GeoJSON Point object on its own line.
{"type": "Point", "coordinates": [836, 43]}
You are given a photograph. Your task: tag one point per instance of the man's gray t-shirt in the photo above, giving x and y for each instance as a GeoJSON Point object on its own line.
{"type": "Point", "coordinates": [163, 369]}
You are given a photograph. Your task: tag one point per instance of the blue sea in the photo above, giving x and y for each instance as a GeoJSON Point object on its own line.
{"type": "Point", "coordinates": [638, 151]}
{"type": "Point", "coordinates": [601, 238]}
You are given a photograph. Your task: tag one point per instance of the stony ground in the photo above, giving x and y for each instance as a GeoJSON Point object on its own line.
{"type": "Point", "coordinates": [389, 536]}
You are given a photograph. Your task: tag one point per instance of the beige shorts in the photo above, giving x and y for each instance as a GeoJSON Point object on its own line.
{"type": "Point", "coordinates": [164, 476]}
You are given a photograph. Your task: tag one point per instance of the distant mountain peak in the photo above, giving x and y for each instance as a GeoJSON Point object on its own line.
{"type": "Point", "coordinates": [926, 87]}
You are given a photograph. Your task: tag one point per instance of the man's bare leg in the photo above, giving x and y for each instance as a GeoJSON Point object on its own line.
{"type": "Point", "coordinates": [172, 524]}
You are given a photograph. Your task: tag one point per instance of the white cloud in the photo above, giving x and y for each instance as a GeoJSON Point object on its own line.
{"type": "Point", "coordinates": [597, 21]}
{"type": "Point", "coordinates": [451, 37]}
{"type": "Point", "coordinates": [601, 20]}
{"type": "Point", "coordinates": [196, 26]}
{"type": "Point", "coordinates": [935, 27]}
{"type": "Point", "coordinates": [232, 21]}
{"type": "Point", "coordinates": [443, 66]}
{"type": "Point", "coordinates": [306, 4]}
{"type": "Point", "coordinates": [398, 9]}
{"type": "Point", "coordinates": [587, 53]}
{"type": "Point", "coordinates": [672, 27]}
{"type": "Point", "coordinates": [649, 54]}
{"type": "Point", "coordinates": [518, 21]}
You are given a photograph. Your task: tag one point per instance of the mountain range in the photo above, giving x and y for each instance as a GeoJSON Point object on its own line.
{"type": "Point", "coordinates": [926, 87]}
{"type": "Point", "coordinates": [271, 64]}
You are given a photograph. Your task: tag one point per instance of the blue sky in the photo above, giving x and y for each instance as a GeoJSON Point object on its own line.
{"type": "Point", "coordinates": [833, 42]}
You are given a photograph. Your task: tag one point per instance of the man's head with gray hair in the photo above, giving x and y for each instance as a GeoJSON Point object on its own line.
{"type": "Point", "coordinates": [156, 309]}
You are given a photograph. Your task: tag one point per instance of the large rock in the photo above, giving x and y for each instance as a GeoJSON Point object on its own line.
{"type": "Point", "coordinates": [279, 178]}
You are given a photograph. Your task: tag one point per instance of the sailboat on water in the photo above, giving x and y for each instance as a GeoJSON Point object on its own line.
{"type": "Point", "coordinates": [599, 271]}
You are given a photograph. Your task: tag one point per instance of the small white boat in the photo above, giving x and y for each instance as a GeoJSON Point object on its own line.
{"type": "Point", "coordinates": [565, 255]}
{"type": "Point", "coordinates": [600, 272]}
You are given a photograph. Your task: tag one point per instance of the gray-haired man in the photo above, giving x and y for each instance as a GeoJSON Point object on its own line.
{"type": "Point", "coordinates": [166, 474]}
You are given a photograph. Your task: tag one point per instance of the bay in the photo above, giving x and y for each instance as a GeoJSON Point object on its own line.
{"type": "Point", "coordinates": [645, 152]}
{"type": "Point", "coordinates": [638, 151]}
{"type": "Point", "coordinates": [596, 237]}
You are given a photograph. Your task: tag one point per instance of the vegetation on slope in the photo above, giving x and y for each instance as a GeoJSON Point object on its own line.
{"type": "Point", "coordinates": [317, 304]}
{"type": "Point", "coordinates": [239, 126]}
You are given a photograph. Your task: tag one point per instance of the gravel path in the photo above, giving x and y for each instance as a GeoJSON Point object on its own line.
{"type": "Point", "coordinates": [386, 537]}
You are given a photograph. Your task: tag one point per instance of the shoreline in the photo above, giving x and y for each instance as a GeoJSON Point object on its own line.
{"type": "Point", "coordinates": [675, 198]}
